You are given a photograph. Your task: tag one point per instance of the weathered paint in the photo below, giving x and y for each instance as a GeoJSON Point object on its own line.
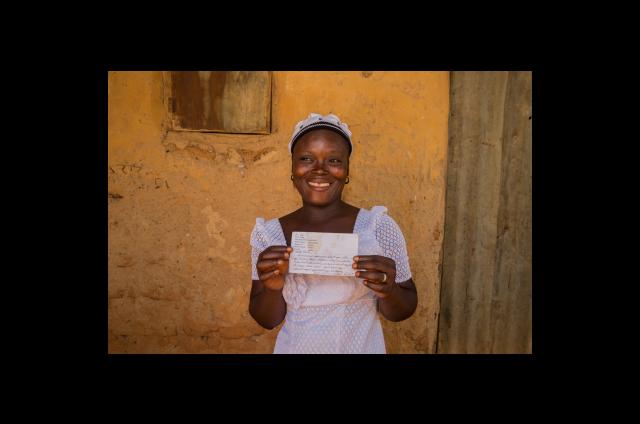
{"type": "Point", "coordinates": [229, 102]}
{"type": "Point", "coordinates": [182, 204]}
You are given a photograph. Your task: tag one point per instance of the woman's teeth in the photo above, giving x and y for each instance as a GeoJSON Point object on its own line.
{"type": "Point", "coordinates": [318, 184]}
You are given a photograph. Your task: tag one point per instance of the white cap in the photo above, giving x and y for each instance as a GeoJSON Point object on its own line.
{"type": "Point", "coordinates": [315, 121]}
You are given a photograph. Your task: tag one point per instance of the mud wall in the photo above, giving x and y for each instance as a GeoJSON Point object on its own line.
{"type": "Point", "coordinates": [182, 204]}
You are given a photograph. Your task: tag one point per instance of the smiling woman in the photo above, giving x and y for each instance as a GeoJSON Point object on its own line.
{"type": "Point", "coordinates": [320, 165]}
{"type": "Point", "coordinates": [329, 314]}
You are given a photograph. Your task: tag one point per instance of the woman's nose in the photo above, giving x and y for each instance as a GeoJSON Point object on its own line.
{"type": "Point", "coordinates": [320, 165]}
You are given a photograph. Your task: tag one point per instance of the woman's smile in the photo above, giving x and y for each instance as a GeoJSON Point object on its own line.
{"type": "Point", "coordinates": [318, 185]}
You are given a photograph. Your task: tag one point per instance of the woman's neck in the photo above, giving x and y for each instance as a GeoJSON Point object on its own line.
{"type": "Point", "coordinates": [318, 214]}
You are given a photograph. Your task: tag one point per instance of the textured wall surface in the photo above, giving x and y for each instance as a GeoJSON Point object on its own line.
{"type": "Point", "coordinates": [182, 204]}
{"type": "Point", "coordinates": [486, 283]}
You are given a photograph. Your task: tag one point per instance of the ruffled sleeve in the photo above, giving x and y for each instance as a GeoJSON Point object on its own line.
{"type": "Point", "coordinates": [259, 241]}
{"type": "Point", "coordinates": [269, 233]}
{"type": "Point", "coordinates": [391, 240]}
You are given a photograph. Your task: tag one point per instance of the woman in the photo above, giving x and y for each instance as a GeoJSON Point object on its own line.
{"type": "Point", "coordinates": [328, 314]}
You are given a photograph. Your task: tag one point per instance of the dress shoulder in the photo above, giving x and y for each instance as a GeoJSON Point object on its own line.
{"type": "Point", "coordinates": [389, 236]}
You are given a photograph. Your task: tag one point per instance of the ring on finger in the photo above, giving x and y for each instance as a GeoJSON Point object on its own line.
{"type": "Point", "coordinates": [384, 280]}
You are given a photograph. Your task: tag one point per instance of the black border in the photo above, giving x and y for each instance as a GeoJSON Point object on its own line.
{"type": "Point", "coordinates": [442, 365]}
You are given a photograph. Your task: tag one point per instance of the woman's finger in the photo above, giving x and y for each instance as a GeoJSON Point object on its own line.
{"type": "Point", "coordinates": [269, 264]}
{"type": "Point", "coordinates": [374, 265]}
{"type": "Point", "coordinates": [277, 249]}
{"type": "Point", "coordinates": [267, 275]}
{"type": "Point", "coordinates": [374, 259]}
{"type": "Point", "coordinates": [274, 255]}
{"type": "Point", "coordinates": [375, 286]}
{"type": "Point", "coordinates": [365, 262]}
{"type": "Point", "coordinates": [375, 276]}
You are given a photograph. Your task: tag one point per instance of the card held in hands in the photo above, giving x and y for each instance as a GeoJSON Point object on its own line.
{"type": "Point", "coordinates": [323, 253]}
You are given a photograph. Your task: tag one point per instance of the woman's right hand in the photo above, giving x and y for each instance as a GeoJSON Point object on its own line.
{"type": "Point", "coordinates": [272, 265]}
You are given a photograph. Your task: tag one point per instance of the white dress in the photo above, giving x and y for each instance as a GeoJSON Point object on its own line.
{"type": "Point", "coordinates": [328, 314]}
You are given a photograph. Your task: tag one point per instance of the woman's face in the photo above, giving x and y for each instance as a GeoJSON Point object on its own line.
{"type": "Point", "coordinates": [320, 165]}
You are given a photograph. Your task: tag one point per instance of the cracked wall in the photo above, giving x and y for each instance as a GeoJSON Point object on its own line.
{"type": "Point", "coordinates": [182, 204]}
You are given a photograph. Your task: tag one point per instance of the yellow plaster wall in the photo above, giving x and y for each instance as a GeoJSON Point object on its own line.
{"type": "Point", "coordinates": [182, 204]}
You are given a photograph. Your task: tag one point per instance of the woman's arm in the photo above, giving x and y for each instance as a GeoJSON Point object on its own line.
{"type": "Point", "coordinates": [401, 302]}
{"type": "Point", "coordinates": [396, 301]}
{"type": "Point", "coordinates": [267, 306]}
{"type": "Point", "coordinates": [266, 303]}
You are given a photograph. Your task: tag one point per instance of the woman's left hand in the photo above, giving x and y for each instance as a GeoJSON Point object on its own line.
{"type": "Point", "coordinates": [373, 269]}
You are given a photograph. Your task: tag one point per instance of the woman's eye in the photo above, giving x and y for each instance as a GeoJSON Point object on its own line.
{"type": "Point", "coordinates": [305, 158]}
{"type": "Point", "coordinates": [335, 161]}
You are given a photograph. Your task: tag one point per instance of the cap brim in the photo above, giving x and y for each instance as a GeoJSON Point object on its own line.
{"type": "Point", "coordinates": [320, 125]}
